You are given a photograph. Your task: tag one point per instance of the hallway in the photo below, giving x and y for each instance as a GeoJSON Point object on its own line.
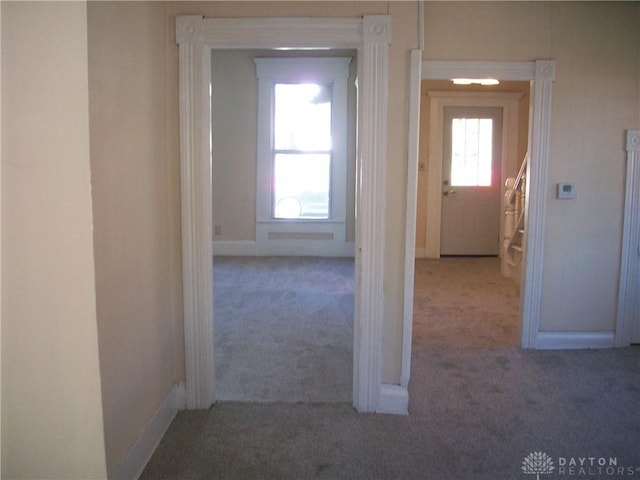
{"type": "Point", "coordinates": [464, 302]}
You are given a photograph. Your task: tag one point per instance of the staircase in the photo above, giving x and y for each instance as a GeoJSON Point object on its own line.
{"type": "Point", "coordinates": [513, 241]}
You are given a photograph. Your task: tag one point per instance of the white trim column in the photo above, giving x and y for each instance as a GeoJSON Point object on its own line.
{"type": "Point", "coordinates": [628, 297]}
{"type": "Point", "coordinates": [195, 174]}
{"type": "Point", "coordinates": [415, 81]}
{"type": "Point", "coordinates": [373, 85]}
{"type": "Point", "coordinates": [536, 200]}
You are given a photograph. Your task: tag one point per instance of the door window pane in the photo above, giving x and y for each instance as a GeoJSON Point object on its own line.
{"type": "Point", "coordinates": [301, 185]}
{"type": "Point", "coordinates": [302, 117]}
{"type": "Point", "coordinates": [471, 152]}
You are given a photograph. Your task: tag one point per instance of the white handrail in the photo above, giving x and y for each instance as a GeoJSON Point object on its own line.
{"type": "Point", "coordinates": [514, 219]}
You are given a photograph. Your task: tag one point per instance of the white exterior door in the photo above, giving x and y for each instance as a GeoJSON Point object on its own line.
{"type": "Point", "coordinates": [471, 177]}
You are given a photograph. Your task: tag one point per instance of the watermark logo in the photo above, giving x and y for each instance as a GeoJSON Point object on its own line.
{"type": "Point", "coordinates": [537, 463]}
{"type": "Point", "coordinates": [602, 467]}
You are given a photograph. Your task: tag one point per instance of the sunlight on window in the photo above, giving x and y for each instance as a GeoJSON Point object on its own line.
{"type": "Point", "coordinates": [302, 151]}
{"type": "Point", "coordinates": [471, 152]}
{"type": "Point", "coordinates": [301, 186]}
{"type": "Point", "coordinates": [302, 117]}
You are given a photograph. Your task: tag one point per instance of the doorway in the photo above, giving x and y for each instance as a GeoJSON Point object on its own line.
{"type": "Point", "coordinates": [510, 107]}
{"type": "Point", "coordinates": [471, 180]}
{"type": "Point", "coordinates": [283, 228]}
{"type": "Point", "coordinates": [460, 297]}
{"type": "Point", "coordinates": [196, 37]}
{"type": "Point", "coordinates": [541, 74]}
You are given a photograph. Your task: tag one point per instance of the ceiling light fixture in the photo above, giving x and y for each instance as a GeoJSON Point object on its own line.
{"type": "Point", "coordinates": [477, 81]}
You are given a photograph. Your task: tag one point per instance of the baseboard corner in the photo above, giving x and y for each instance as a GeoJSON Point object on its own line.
{"type": "Point", "coordinates": [394, 399]}
{"type": "Point", "coordinates": [181, 395]}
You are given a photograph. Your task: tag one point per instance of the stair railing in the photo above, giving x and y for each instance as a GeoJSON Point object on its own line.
{"type": "Point", "coordinates": [514, 199]}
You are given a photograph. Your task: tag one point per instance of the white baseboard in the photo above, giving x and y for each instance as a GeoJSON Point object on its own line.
{"type": "Point", "coordinates": [247, 248]}
{"type": "Point", "coordinates": [573, 340]}
{"type": "Point", "coordinates": [140, 453]}
{"type": "Point", "coordinates": [394, 399]}
{"type": "Point", "coordinates": [239, 248]}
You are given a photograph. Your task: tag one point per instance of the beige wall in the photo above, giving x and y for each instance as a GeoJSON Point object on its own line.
{"type": "Point", "coordinates": [51, 405]}
{"type": "Point", "coordinates": [234, 133]}
{"type": "Point", "coordinates": [234, 128]}
{"type": "Point", "coordinates": [136, 221]}
{"type": "Point", "coordinates": [595, 46]}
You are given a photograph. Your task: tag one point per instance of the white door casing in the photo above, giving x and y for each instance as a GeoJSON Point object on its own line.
{"type": "Point", "coordinates": [628, 318]}
{"type": "Point", "coordinates": [413, 143]}
{"type": "Point", "coordinates": [196, 37]}
{"type": "Point", "coordinates": [470, 218]}
{"type": "Point", "coordinates": [542, 74]}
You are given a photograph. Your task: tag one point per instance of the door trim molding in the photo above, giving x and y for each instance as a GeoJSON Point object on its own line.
{"type": "Point", "coordinates": [446, 70]}
{"type": "Point", "coordinates": [628, 283]}
{"type": "Point", "coordinates": [415, 76]}
{"type": "Point", "coordinates": [508, 101]}
{"type": "Point", "coordinates": [536, 201]}
{"type": "Point", "coordinates": [542, 74]}
{"type": "Point", "coordinates": [196, 37]}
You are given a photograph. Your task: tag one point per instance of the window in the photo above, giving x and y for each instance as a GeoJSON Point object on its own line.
{"type": "Point", "coordinates": [301, 151]}
{"type": "Point", "coordinates": [302, 148]}
{"type": "Point", "coordinates": [471, 152]}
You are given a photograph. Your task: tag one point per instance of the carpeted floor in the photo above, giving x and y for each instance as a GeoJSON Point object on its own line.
{"type": "Point", "coordinates": [477, 409]}
{"type": "Point", "coordinates": [284, 325]}
{"type": "Point", "coordinates": [475, 413]}
{"type": "Point", "coordinates": [464, 302]}
{"type": "Point", "coordinates": [283, 329]}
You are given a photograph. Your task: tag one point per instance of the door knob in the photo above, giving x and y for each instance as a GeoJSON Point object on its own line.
{"type": "Point", "coordinates": [451, 192]}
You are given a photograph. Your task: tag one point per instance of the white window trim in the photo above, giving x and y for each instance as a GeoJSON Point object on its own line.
{"type": "Point", "coordinates": [326, 70]}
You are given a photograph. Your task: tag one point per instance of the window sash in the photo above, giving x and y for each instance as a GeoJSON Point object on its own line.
{"type": "Point", "coordinates": [301, 186]}
{"type": "Point", "coordinates": [331, 73]}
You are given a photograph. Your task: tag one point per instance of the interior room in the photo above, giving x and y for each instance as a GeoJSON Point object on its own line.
{"type": "Point", "coordinates": [467, 294]}
{"type": "Point", "coordinates": [283, 256]}
{"type": "Point", "coordinates": [109, 241]}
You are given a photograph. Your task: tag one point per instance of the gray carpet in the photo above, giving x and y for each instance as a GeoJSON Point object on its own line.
{"type": "Point", "coordinates": [476, 409]}
{"type": "Point", "coordinates": [464, 302]}
{"type": "Point", "coordinates": [283, 329]}
{"type": "Point", "coordinates": [475, 413]}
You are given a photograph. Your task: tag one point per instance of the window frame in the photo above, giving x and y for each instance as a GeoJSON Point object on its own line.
{"type": "Point", "coordinates": [289, 150]}
{"type": "Point", "coordinates": [297, 70]}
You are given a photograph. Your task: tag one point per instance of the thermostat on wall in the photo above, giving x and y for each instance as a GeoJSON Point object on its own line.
{"type": "Point", "coordinates": [566, 191]}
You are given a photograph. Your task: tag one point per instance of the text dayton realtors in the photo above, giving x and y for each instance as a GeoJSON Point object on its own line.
{"type": "Point", "coordinates": [593, 466]}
